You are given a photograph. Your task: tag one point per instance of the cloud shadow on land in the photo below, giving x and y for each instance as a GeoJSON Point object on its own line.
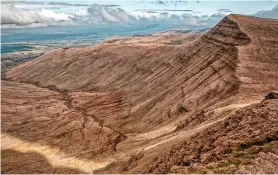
{"type": "Point", "coordinates": [14, 162]}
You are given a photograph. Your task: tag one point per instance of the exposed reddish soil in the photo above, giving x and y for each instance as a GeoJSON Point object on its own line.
{"type": "Point", "coordinates": [166, 103]}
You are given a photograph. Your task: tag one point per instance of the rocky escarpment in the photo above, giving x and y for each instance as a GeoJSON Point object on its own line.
{"type": "Point", "coordinates": [123, 105]}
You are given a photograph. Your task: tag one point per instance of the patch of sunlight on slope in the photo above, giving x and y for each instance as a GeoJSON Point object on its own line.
{"type": "Point", "coordinates": [53, 155]}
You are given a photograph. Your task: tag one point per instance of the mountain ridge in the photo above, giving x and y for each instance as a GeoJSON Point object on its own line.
{"type": "Point", "coordinates": [139, 97]}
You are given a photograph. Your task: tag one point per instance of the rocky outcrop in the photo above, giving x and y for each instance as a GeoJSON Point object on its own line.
{"type": "Point", "coordinates": [138, 105]}
{"type": "Point", "coordinates": [272, 95]}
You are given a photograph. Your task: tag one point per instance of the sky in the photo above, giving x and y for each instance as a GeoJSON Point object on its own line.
{"type": "Point", "coordinates": [29, 23]}
{"type": "Point", "coordinates": [42, 12]}
{"type": "Point", "coordinates": [205, 6]}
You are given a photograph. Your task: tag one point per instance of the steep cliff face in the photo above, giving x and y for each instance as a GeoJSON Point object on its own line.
{"type": "Point", "coordinates": [103, 103]}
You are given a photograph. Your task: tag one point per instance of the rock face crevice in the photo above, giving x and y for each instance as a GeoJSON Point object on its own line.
{"type": "Point", "coordinates": [143, 105]}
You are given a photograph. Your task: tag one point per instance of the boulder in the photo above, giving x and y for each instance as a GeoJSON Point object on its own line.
{"type": "Point", "coordinates": [272, 95]}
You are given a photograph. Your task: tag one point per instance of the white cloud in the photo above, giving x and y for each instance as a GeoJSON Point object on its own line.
{"type": "Point", "coordinates": [108, 14]}
{"type": "Point", "coordinates": [53, 16]}
{"type": "Point", "coordinates": [13, 15]}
